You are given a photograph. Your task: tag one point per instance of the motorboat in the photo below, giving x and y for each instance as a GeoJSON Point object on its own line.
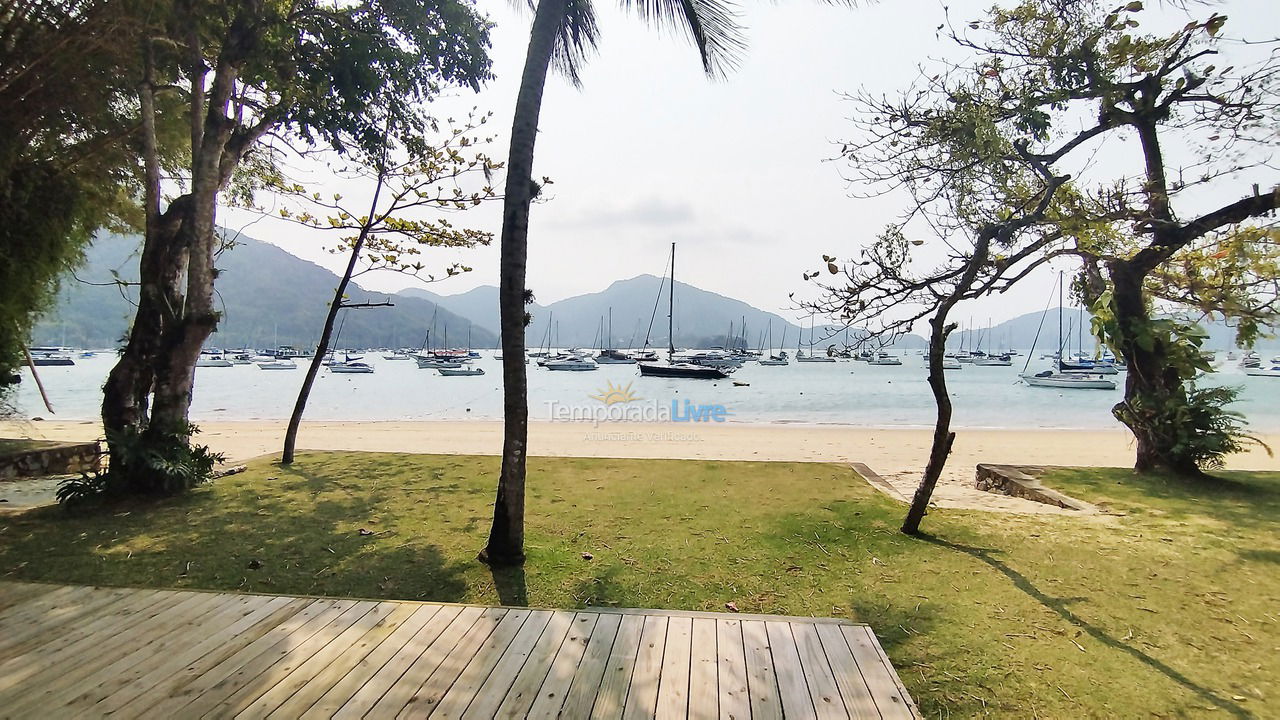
{"type": "Point", "coordinates": [801, 357]}
{"type": "Point", "coordinates": [950, 363]}
{"type": "Point", "coordinates": [1076, 381]}
{"type": "Point", "coordinates": [351, 366]}
{"type": "Point", "coordinates": [460, 372]}
{"type": "Point", "coordinates": [994, 361]}
{"type": "Point", "coordinates": [574, 363]}
{"type": "Point", "coordinates": [1272, 370]}
{"type": "Point", "coordinates": [614, 357]}
{"type": "Point", "coordinates": [213, 361]}
{"type": "Point", "coordinates": [884, 359]}
{"type": "Point", "coordinates": [278, 364]}
{"type": "Point", "coordinates": [431, 362]}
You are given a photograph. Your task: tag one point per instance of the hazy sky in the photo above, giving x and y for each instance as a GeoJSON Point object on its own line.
{"type": "Point", "coordinates": [650, 151]}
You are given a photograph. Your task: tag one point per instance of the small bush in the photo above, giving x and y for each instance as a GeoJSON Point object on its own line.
{"type": "Point", "coordinates": [145, 463]}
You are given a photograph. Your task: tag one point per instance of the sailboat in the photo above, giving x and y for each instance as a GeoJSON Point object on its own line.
{"type": "Point", "coordinates": [1057, 378]}
{"type": "Point", "coordinates": [670, 368]}
{"type": "Point", "coordinates": [780, 358]}
{"type": "Point", "coordinates": [610, 356]}
{"type": "Point", "coordinates": [801, 357]}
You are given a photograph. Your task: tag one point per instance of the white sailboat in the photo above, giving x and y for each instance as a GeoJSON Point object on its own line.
{"type": "Point", "coordinates": [1056, 378]}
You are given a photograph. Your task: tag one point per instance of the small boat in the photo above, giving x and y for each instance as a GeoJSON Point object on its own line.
{"type": "Point", "coordinates": [884, 359]}
{"type": "Point", "coordinates": [614, 357]}
{"type": "Point", "coordinates": [51, 356]}
{"type": "Point", "coordinates": [950, 363]}
{"type": "Point", "coordinates": [1272, 371]}
{"type": "Point", "coordinates": [1077, 381]}
{"type": "Point", "coordinates": [396, 356]}
{"type": "Point", "coordinates": [994, 361]}
{"type": "Point", "coordinates": [801, 357]}
{"type": "Point", "coordinates": [213, 361]}
{"type": "Point", "coordinates": [1092, 367]}
{"type": "Point", "coordinates": [460, 372]}
{"type": "Point", "coordinates": [278, 364]}
{"type": "Point", "coordinates": [774, 360]}
{"type": "Point", "coordinates": [576, 364]}
{"type": "Point", "coordinates": [351, 366]}
{"type": "Point", "coordinates": [427, 362]}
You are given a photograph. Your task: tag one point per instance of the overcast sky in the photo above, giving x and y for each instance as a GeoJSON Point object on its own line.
{"type": "Point", "coordinates": [650, 151]}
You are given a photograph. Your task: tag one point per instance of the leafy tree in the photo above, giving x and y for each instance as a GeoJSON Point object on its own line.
{"type": "Point", "coordinates": [409, 184]}
{"type": "Point", "coordinates": [63, 171]}
{"type": "Point", "coordinates": [237, 72]}
{"type": "Point", "coordinates": [1052, 83]}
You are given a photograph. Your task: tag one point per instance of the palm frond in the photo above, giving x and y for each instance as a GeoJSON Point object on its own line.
{"type": "Point", "coordinates": [577, 37]}
{"type": "Point", "coordinates": [712, 25]}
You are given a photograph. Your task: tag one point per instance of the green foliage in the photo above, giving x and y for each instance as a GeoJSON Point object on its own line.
{"type": "Point", "coordinates": [144, 465]}
{"type": "Point", "coordinates": [1190, 423]}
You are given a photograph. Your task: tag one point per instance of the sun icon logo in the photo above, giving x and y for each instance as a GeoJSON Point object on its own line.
{"type": "Point", "coordinates": [613, 394]}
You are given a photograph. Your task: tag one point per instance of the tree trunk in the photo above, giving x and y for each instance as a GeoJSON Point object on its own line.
{"type": "Point", "coordinates": [1151, 385]}
{"type": "Point", "coordinates": [506, 538]}
{"type": "Point", "coordinates": [943, 438]}
{"type": "Point", "coordinates": [322, 347]}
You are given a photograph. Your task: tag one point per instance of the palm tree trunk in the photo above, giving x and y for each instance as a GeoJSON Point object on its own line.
{"type": "Point", "coordinates": [506, 538]}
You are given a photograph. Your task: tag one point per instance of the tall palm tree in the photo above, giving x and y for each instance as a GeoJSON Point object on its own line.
{"type": "Point", "coordinates": [564, 32]}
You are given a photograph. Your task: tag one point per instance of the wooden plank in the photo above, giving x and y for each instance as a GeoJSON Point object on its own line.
{"type": "Point", "coordinates": [161, 680]}
{"type": "Point", "coordinates": [55, 683]}
{"type": "Point", "coordinates": [657, 612]}
{"type": "Point", "coordinates": [595, 660]}
{"type": "Point", "coordinates": [401, 691]}
{"type": "Point", "coordinates": [258, 676]}
{"type": "Point", "coordinates": [612, 696]}
{"type": "Point", "coordinates": [524, 690]}
{"type": "Point", "coordinates": [102, 624]}
{"type": "Point", "coordinates": [642, 696]}
{"type": "Point", "coordinates": [464, 689]}
{"type": "Point", "coordinates": [299, 626]}
{"type": "Point", "coordinates": [47, 616]}
{"type": "Point", "coordinates": [12, 594]}
{"type": "Point", "coordinates": [340, 667]}
{"type": "Point", "coordinates": [564, 667]}
{"type": "Point", "coordinates": [823, 691]}
{"type": "Point", "coordinates": [161, 650]}
{"type": "Point", "coordinates": [355, 677]}
{"type": "Point", "coordinates": [704, 692]}
{"type": "Point", "coordinates": [285, 687]}
{"type": "Point", "coordinates": [891, 699]}
{"type": "Point", "coordinates": [372, 691]}
{"type": "Point", "coordinates": [673, 683]}
{"type": "Point", "coordinates": [494, 689]}
{"type": "Point", "coordinates": [792, 688]}
{"type": "Point", "coordinates": [731, 671]}
{"type": "Point", "coordinates": [853, 689]}
{"type": "Point", "coordinates": [30, 605]}
{"type": "Point", "coordinates": [762, 683]}
{"type": "Point", "coordinates": [425, 699]}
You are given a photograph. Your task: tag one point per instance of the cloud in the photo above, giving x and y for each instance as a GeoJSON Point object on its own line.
{"type": "Point", "coordinates": [649, 212]}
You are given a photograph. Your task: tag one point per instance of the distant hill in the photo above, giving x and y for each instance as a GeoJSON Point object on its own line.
{"type": "Point", "coordinates": [1019, 333]}
{"type": "Point", "coordinates": [267, 297]}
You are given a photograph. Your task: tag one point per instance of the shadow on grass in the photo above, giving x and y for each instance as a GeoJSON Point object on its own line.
{"type": "Point", "coordinates": [510, 584]}
{"type": "Point", "coordinates": [1060, 606]}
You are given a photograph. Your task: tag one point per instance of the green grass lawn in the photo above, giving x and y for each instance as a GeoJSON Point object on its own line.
{"type": "Point", "coordinates": [1169, 610]}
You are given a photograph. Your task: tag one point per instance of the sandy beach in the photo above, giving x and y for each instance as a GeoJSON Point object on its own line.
{"type": "Point", "coordinates": [897, 454]}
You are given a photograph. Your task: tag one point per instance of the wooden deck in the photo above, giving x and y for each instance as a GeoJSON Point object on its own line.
{"type": "Point", "coordinates": [69, 651]}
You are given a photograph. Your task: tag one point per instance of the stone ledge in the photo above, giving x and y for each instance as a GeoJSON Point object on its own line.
{"type": "Point", "coordinates": [1022, 481]}
{"type": "Point", "coordinates": [44, 458]}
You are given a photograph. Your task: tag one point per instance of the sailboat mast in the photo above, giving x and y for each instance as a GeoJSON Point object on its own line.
{"type": "Point", "coordinates": [1059, 319]}
{"type": "Point", "coordinates": [671, 308]}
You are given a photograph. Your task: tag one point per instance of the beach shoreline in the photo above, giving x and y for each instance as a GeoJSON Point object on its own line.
{"type": "Point", "coordinates": [885, 449]}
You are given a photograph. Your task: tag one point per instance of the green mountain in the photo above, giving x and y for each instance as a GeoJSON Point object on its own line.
{"type": "Point", "coordinates": [266, 295]}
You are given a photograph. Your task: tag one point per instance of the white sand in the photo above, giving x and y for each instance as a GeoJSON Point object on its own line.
{"type": "Point", "coordinates": [896, 454]}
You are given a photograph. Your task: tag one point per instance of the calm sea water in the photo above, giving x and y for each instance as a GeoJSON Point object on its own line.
{"type": "Point", "coordinates": [844, 392]}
